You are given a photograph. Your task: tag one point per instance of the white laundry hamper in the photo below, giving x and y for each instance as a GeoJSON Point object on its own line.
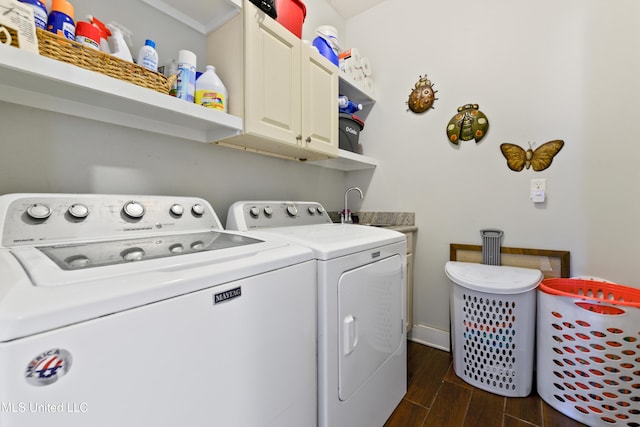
{"type": "Point", "coordinates": [589, 350]}
{"type": "Point", "coordinates": [493, 319]}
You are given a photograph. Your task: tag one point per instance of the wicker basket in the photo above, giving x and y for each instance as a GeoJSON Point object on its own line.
{"type": "Point", "coordinates": [65, 50]}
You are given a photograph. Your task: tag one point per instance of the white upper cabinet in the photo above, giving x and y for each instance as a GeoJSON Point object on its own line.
{"type": "Point", "coordinates": [285, 91]}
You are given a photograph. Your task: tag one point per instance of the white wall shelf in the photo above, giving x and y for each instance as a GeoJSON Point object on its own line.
{"type": "Point", "coordinates": [348, 161]}
{"type": "Point", "coordinates": [44, 83]}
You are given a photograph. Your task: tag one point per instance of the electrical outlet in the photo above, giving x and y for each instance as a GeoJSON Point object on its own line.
{"type": "Point", "coordinates": [538, 190]}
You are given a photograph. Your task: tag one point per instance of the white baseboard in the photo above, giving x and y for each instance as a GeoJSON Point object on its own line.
{"type": "Point", "coordinates": [430, 336]}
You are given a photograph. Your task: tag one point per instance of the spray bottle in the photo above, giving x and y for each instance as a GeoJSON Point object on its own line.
{"type": "Point", "coordinates": [105, 33]}
{"type": "Point", "coordinates": [117, 44]}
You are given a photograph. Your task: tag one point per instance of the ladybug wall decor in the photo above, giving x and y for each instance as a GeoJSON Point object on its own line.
{"type": "Point", "coordinates": [422, 96]}
{"type": "Point", "coordinates": [470, 123]}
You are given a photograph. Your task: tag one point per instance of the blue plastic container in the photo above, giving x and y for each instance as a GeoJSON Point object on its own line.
{"type": "Point", "coordinates": [39, 13]}
{"type": "Point", "coordinates": [325, 49]}
{"type": "Point", "coordinates": [61, 19]}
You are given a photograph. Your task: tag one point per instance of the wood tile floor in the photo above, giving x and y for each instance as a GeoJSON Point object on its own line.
{"type": "Point", "coordinates": [436, 397]}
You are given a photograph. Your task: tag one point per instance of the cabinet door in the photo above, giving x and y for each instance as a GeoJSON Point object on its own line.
{"type": "Point", "coordinates": [272, 79]}
{"type": "Point", "coordinates": [319, 102]}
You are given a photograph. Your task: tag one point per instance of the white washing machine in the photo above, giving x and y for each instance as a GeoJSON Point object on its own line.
{"type": "Point", "coordinates": [362, 360]}
{"type": "Point", "coordinates": [141, 311]}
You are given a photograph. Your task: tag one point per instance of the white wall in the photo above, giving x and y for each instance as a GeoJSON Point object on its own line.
{"type": "Point", "coordinates": [48, 152]}
{"type": "Point", "coordinates": [540, 71]}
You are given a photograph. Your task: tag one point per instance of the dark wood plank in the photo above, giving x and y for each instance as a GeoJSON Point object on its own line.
{"type": "Point", "coordinates": [436, 389]}
{"type": "Point", "coordinates": [449, 407]}
{"type": "Point", "coordinates": [484, 407]}
{"type": "Point", "coordinates": [416, 355]}
{"type": "Point", "coordinates": [525, 408]}
{"type": "Point", "coordinates": [551, 417]}
{"type": "Point", "coordinates": [509, 421]}
{"type": "Point", "coordinates": [453, 378]}
{"type": "Point", "coordinates": [428, 379]}
{"type": "Point", "coordinates": [407, 414]}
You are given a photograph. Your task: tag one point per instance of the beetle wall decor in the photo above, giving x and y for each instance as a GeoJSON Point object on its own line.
{"type": "Point", "coordinates": [422, 96]}
{"type": "Point", "coordinates": [470, 123]}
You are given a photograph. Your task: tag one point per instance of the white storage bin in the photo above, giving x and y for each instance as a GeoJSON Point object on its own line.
{"type": "Point", "coordinates": [493, 318]}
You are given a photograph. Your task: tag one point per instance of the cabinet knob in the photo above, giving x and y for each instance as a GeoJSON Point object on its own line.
{"type": "Point", "coordinates": [308, 140]}
{"type": "Point", "coordinates": [299, 138]}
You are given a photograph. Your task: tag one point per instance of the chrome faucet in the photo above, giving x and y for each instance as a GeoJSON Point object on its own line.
{"type": "Point", "coordinates": [345, 216]}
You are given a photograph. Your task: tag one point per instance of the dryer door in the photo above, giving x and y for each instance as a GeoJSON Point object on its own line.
{"type": "Point", "coordinates": [370, 300]}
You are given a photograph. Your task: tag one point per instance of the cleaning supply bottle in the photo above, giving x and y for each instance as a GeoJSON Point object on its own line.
{"type": "Point", "coordinates": [170, 70]}
{"type": "Point", "coordinates": [186, 83]}
{"type": "Point", "coordinates": [61, 19]}
{"type": "Point", "coordinates": [39, 12]}
{"type": "Point", "coordinates": [105, 33]}
{"type": "Point", "coordinates": [345, 105]}
{"type": "Point", "coordinates": [210, 91]}
{"type": "Point", "coordinates": [148, 57]}
{"type": "Point", "coordinates": [118, 46]}
{"type": "Point", "coordinates": [88, 35]}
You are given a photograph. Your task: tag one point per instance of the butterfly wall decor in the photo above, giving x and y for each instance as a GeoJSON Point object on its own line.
{"type": "Point", "coordinates": [518, 158]}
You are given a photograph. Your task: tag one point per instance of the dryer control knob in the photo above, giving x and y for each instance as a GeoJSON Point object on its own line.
{"type": "Point", "coordinates": [312, 210]}
{"type": "Point", "coordinates": [133, 209]}
{"type": "Point", "coordinates": [176, 209]}
{"type": "Point", "coordinates": [78, 211]}
{"type": "Point", "coordinates": [320, 209]}
{"type": "Point", "coordinates": [197, 209]}
{"type": "Point", "coordinates": [39, 211]}
{"type": "Point", "coordinates": [292, 210]}
{"type": "Point", "coordinates": [268, 211]}
{"type": "Point", "coordinates": [254, 212]}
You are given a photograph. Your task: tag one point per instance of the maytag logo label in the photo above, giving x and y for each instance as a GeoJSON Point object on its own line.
{"type": "Point", "coordinates": [227, 295]}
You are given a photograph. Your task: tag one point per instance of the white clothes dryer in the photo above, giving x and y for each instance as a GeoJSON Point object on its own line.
{"type": "Point", "coordinates": [141, 311]}
{"type": "Point", "coordinates": [362, 360]}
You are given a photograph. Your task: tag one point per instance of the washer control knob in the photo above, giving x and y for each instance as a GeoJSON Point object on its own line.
{"type": "Point", "coordinates": [254, 212]}
{"type": "Point", "coordinates": [177, 248]}
{"type": "Point", "coordinates": [268, 211]}
{"type": "Point", "coordinates": [78, 211]}
{"type": "Point", "coordinates": [312, 210]}
{"type": "Point", "coordinates": [133, 209]}
{"type": "Point", "coordinates": [39, 211]}
{"type": "Point", "coordinates": [176, 209]}
{"type": "Point", "coordinates": [133, 254]}
{"type": "Point", "coordinates": [197, 245]}
{"type": "Point", "coordinates": [320, 209]}
{"type": "Point", "coordinates": [292, 210]}
{"type": "Point", "coordinates": [197, 209]}
{"type": "Point", "coordinates": [79, 261]}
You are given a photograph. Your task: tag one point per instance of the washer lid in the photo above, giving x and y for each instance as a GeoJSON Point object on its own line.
{"type": "Point", "coordinates": [493, 278]}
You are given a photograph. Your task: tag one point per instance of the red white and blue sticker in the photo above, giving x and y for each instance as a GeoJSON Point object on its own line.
{"type": "Point", "coordinates": [48, 367]}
